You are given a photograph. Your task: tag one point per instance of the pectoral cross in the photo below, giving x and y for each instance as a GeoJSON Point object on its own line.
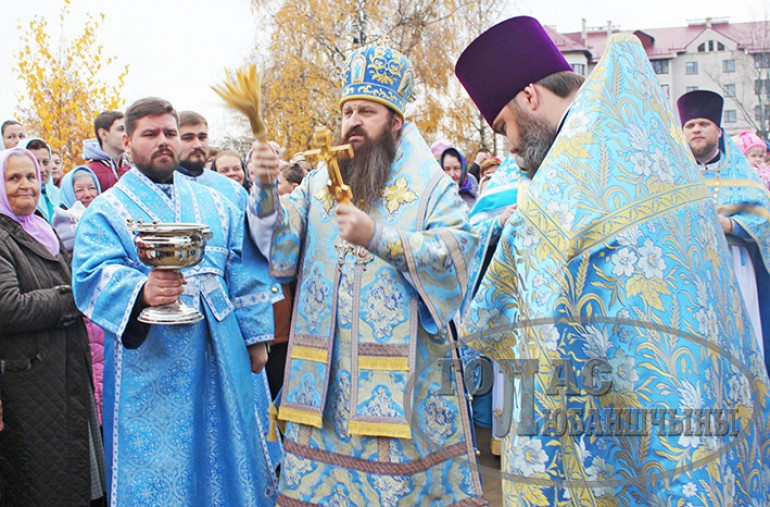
{"type": "Point", "coordinates": [325, 151]}
{"type": "Point", "coordinates": [360, 254]}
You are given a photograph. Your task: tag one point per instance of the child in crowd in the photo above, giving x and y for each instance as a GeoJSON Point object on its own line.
{"type": "Point", "coordinates": [755, 150]}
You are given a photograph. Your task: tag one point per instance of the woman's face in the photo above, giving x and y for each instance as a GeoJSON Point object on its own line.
{"type": "Point", "coordinates": [230, 166]}
{"type": "Point", "coordinates": [453, 167]}
{"type": "Point", "coordinates": [21, 185]}
{"type": "Point", "coordinates": [43, 157]}
{"type": "Point", "coordinates": [756, 156]}
{"type": "Point", "coordinates": [56, 168]}
{"type": "Point", "coordinates": [85, 189]}
{"type": "Point", "coordinates": [13, 135]}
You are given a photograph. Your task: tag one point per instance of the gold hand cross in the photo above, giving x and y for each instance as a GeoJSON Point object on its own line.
{"type": "Point", "coordinates": [322, 138]}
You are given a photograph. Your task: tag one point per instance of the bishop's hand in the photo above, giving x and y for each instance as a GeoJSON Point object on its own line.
{"type": "Point", "coordinates": [356, 227]}
{"type": "Point", "coordinates": [264, 163]}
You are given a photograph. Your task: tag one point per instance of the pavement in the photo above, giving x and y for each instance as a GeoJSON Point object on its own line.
{"type": "Point", "coordinates": [490, 467]}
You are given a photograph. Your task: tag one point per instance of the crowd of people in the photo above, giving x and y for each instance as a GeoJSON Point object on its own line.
{"type": "Point", "coordinates": [337, 361]}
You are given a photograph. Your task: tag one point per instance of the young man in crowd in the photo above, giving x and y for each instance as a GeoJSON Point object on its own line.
{"type": "Point", "coordinates": [105, 155]}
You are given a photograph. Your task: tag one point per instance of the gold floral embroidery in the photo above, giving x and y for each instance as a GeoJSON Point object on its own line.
{"type": "Point", "coordinates": [397, 194]}
{"type": "Point", "coordinates": [385, 71]}
{"type": "Point", "coordinates": [324, 196]}
{"type": "Point", "coordinates": [395, 249]}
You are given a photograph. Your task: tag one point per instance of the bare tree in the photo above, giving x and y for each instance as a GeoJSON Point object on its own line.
{"type": "Point", "coordinates": [744, 80]}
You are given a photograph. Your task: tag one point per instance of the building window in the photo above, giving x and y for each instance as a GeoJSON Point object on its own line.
{"type": "Point", "coordinates": [758, 113]}
{"type": "Point", "coordinates": [728, 65]}
{"type": "Point", "coordinates": [762, 60]}
{"type": "Point", "coordinates": [579, 68]}
{"type": "Point", "coordinates": [691, 89]}
{"type": "Point", "coordinates": [660, 66]}
{"type": "Point", "coordinates": [665, 90]}
{"type": "Point", "coordinates": [729, 90]}
{"type": "Point", "coordinates": [702, 46]}
{"type": "Point", "coordinates": [691, 68]}
{"type": "Point", "coordinates": [730, 116]}
{"type": "Point", "coordinates": [762, 87]}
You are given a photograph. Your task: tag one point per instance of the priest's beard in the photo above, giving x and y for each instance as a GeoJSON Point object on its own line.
{"type": "Point", "coordinates": [704, 152]}
{"type": "Point", "coordinates": [159, 173]}
{"type": "Point", "coordinates": [194, 166]}
{"type": "Point", "coordinates": [537, 137]}
{"type": "Point", "coordinates": [368, 171]}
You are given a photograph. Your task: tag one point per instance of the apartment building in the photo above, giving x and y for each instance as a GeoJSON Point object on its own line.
{"type": "Point", "coordinates": [709, 54]}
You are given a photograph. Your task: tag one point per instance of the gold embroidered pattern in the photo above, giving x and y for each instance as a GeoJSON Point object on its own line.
{"type": "Point", "coordinates": [566, 246]}
{"type": "Point", "coordinates": [384, 70]}
{"type": "Point", "coordinates": [397, 194]}
{"type": "Point", "coordinates": [326, 197]}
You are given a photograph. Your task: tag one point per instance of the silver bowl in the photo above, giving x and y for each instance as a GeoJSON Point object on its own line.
{"type": "Point", "coordinates": [170, 252]}
{"type": "Point", "coordinates": [170, 246]}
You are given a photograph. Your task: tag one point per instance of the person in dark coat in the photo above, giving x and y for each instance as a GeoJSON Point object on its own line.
{"type": "Point", "coordinates": [50, 448]}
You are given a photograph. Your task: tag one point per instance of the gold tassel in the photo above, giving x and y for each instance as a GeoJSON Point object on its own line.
{"type": "Point", "coordinates": [242, 92]}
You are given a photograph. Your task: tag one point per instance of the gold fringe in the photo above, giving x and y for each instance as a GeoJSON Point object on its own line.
{"type": "Point", "coordinates": [308, 354]}
{"type": "Point", "coordinates": [380, 429]}
{"type": "Point", "coordinates": [300, 416]}
{"type": "Point", "coordinates": [383, 363]}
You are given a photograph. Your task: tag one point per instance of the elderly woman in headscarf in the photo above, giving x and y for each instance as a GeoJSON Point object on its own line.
{"type": "Point", "coordinates": [50, 195]}
{"type": "Point", "coordinates": [454, 164]}
{"type": "Point", "coordinates": [50, 449]}
{"type": "Point", "coordinates": [79, 188]}
{"type": "Point", "coordinates": [79, 185]}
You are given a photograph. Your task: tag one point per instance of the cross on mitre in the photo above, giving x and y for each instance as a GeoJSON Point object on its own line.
{"type": "Point", "coordinates": [322, 139]}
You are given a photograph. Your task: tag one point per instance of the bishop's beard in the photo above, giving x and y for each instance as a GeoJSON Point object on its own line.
{"type": "Point", "coordinates": [369, 170]}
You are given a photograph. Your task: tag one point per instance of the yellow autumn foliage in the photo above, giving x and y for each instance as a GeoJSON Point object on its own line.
{"type": "Point", "coordinates": [62, 87]}
{"type": "Point", "coordinates": [312, 40]}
